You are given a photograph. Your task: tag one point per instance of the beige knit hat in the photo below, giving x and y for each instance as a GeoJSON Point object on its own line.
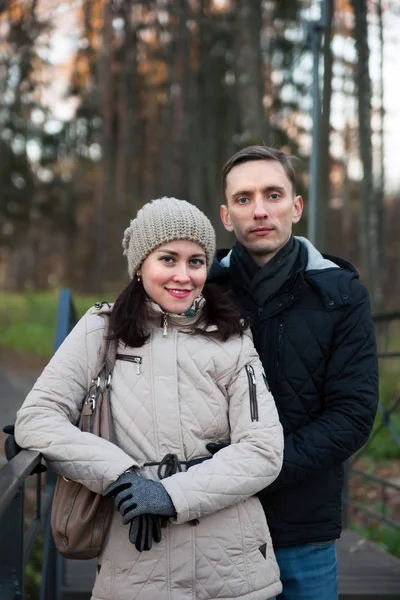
{"type": "Point", "coordinates": [165, 220]}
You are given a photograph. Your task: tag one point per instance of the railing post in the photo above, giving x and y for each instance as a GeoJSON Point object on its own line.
{"type": "Point", "coordinates": [66, 317]}
{"type": "Point", "coordinates": [52, 573]}
{"type": "Point", "coordinates": [15, 547]}
{"type": "Point", "coordinates": [12, 548]}
{"type": "Point", "coordinates": [387, 350]}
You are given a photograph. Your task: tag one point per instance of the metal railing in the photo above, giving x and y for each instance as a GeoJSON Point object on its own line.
{"type": "Point", "coordinates": [387, 326]}
{"type": "Point", "coordinates": [15, 545]}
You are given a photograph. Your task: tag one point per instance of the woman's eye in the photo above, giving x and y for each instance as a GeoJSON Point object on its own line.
{"type": "Point", "coordinates": [197, 262]}
{"type": "Point", "coordinates": [167, 259]}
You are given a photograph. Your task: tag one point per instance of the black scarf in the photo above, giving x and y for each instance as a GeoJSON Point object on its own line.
{"type": "Point", "coordinates": [263, 282]}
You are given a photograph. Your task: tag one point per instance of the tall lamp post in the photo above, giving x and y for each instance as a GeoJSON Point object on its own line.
{"type": "Point", "coordinates": [315, 30]}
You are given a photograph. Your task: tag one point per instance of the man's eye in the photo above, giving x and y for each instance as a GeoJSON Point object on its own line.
{"type": "Point", "coordinates": [274, 196]}
{"type": "Point", "coordinates": [242, 200]}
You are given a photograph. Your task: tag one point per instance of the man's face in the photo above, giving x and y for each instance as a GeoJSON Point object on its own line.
{"type": "Point", "coordinates": [261, 207]}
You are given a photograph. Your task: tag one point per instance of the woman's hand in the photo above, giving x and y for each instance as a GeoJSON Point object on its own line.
{"type": "Point", "coordinates": [143, 531]}
{"type": "Point", "coordinates": [134, 496]}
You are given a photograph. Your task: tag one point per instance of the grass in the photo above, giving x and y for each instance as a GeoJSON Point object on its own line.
{"type": "Point", "coordinates": [382, 444]}
{"type": "Point", "coordinates": [28, 321]}
{"type": "Point", "coordinates": [380, 456]}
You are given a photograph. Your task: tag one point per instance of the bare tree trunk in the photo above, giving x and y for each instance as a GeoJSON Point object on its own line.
{"type": "Point", "coordinates": [207, 106]}
{"type": "Point", "coordinates": [380, 197]}
{"type": "Point", "coordinates": [5, 258]}
{"type": "Point", "coordinates": [369, 225]}
{"type": "Point", "coordinates": [152, 130]}
{"type": "Point", "coordinates": [106, 179]}
{"type": "Point", "coordinates": [197, 150]}
{"type": "Point", "coordinates": [180, 103]}
{"type": "Point", "coordinates": [210, 93]}
{"type": "Point", "coordinates": [345, 194]}
{"type": "Point", "coordinates": [324, 165]}
{"type": "Point", "coordinates": [127, 106]}
{"type": "Point", "coordinates": [249, 71]}
{"type": "Point", "coordinates": [167, 114]}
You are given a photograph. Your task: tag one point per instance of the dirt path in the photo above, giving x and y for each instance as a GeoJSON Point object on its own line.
{"type": "Point", "coordinates": [17, 376]}
{"type": "Point", "coordinates": [14, 386]}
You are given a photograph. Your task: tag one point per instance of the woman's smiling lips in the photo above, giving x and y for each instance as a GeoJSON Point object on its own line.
{"type": "Point", "coordinates": [177, 293]}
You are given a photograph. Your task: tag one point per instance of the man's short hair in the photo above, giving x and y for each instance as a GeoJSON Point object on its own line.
{"type": "Point", "coordinates": [260, 153]}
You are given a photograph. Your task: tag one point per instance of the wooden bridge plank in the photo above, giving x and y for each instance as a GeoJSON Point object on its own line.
{"type": "Point", "coordinates": [79, 576]}
{"type": "Point", "coordinates": [365, 570]}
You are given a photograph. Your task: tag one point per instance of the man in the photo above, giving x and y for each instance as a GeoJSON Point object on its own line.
{"type": "Point", "coordinates": [312, 326]}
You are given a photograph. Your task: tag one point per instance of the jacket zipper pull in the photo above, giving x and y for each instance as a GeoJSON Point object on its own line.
{"type": "Point", "coordinates": [252, 392]}
{"type": "Point", "coordinates": [250, 370]}
{"type": "Point", "coordinates": [135, 359]}
{"type": "Point", "coordinates": [165, 326]}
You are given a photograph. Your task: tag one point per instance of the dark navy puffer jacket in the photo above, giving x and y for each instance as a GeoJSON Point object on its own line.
{"type": "Point", "coordinates": [316, 341]}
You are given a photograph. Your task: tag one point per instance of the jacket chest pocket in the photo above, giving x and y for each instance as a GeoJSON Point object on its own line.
{"type": "Point", "coordinates": [137, 360]}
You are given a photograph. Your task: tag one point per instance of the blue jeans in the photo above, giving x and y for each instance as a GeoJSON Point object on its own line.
{"type": "Point", "coordinates": [308, 572]}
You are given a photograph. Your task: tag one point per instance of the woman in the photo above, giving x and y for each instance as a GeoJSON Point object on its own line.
{"type": "Point", "coordinates": [187, 381]}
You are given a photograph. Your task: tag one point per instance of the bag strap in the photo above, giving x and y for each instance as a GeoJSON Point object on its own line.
{"type": "Point", "coordinates": [101, 381]}
{"type": "Point", "coordinates": [108, 348]}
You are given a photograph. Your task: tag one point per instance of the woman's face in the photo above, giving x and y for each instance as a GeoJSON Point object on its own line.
{"type": "Point", "coordinates": [174, 275]}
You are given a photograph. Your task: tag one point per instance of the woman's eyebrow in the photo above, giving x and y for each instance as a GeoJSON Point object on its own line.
{"type": "Point", "coordinates": [166, 250]}
{"type": "Point", "coordinates": [174, 253]}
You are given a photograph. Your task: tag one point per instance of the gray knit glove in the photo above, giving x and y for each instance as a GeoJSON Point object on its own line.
{"type": "Point", "coordinates": [144, 530]}
{"type": "Point", "coordinates": [134, 496]}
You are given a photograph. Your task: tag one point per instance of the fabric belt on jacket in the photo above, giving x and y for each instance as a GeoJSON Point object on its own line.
{"type": "Point", "coordinates": [170, 464]}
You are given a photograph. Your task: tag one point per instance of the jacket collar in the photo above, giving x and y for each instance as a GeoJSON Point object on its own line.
{"type": "Point", "coordinates": [315, 260]}
{"type": "Point", "coordinates": [159, 318]}
{"type": "Point", "coordinates": [313, 269]}
{"type": "Point", "coordinates": [181, 322]}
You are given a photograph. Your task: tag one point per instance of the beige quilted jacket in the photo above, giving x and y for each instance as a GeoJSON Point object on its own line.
{"type": "Point", "coordinates": [181, 392]}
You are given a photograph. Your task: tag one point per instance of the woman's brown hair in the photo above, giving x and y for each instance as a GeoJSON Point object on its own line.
{"type": "Point", "coordinates": [130, 315]}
